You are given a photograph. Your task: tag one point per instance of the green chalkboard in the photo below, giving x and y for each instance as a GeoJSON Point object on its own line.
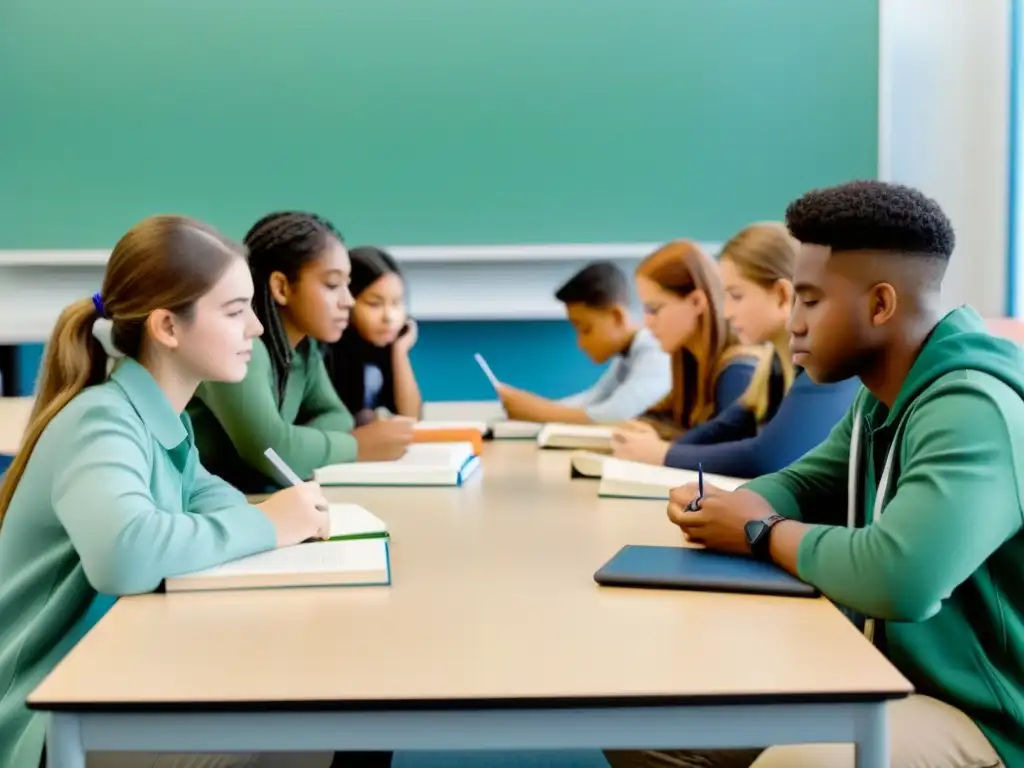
{"type": "Point", "coordinates": [430, 121]}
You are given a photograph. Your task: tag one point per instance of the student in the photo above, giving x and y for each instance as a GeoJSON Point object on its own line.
{"type": "Point", "coordinates": [286, 402]}
{"type": "Point", "coordinates": [639, 376]}
{"type": "Point", "coordinates": [930, 552]}
{"type": "Point", "coordinates": [681, 290]}
{"type": "Point", "coordinates": [783, 413]}
{"type": "Point", "coordinates": [107, 496]}
{"type": "Point", "coordinates": [369, 366]}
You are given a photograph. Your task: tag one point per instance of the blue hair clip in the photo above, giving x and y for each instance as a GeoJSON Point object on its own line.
{"type": "Point", "coordinates": [97, 302]}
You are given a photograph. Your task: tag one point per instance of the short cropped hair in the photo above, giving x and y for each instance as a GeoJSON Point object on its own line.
{"type": "Point", "coordinates": [598, 285]}
{"type": "Point", "coordinates": [872, 216]}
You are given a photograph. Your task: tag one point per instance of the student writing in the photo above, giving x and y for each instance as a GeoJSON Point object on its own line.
{"type": "Point", "coordinates": [107, 495]}
{"type": "Point", "coordinates": [931, 455]}
{"type": "Point", "coordinates": [301, 269]}
{"type": "Point", "coordinates": [783, 413]}
{"type": "Point", "coordinates": [369, 366]}
{"type": "Point", "coordinates": [638, 376]}
{"type": "Point", "coordinates": [681, 290]}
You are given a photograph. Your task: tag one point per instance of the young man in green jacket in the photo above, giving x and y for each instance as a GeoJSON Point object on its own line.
{"type": "Point", "coordinates": [929, 550]}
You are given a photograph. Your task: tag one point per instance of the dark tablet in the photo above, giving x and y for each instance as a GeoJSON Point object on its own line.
{"type": "Point", "coordinates": [698, 569]}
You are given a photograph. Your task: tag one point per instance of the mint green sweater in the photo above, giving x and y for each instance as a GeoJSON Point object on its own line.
{"type": "Point", "coordinates": [113, 501]}
{"type": "Point", "coordinates": [236, 423]}
{"type": "Point", "coordinates": [942, 568]}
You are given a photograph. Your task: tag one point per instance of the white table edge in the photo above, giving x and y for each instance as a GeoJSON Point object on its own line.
{"type": "Point", "coordinates": [863, 723]}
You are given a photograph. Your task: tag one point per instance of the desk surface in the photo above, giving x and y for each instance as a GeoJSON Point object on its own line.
{"type": "Point", "coordinates": [14, 413]}
{"type": "Point", "coordinates": [493, 603]}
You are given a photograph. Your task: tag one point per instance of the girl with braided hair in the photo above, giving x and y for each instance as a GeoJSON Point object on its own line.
{"type": "Point", "coordinates": [301, 272]}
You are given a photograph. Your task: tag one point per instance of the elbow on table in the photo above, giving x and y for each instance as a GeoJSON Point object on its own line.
{"type": "Point", "coordinates": [118, 574]}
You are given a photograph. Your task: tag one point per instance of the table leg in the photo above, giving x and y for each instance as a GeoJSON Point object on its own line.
{"type": "Point", "coordinates": [64, 748]}
{"type": "Point", "coordinates": [872, 731]}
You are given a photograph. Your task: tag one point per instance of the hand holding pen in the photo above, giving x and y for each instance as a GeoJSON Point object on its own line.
{"type": "Point", "coordinates": [694, 504]}
{"type": "Point", "coordinates": [299, 513]}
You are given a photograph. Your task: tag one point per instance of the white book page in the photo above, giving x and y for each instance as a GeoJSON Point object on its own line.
{"type": "Point", "coordinates": [314, 557]}
{"type": "Point", "coordinates": [484, 411]}
{"type": "Point", "coordinates": [619, 470]}
{"type": "Point", "coordinates": [600, 431]}
{"type": "Point", "coordinates": [588, 462]}
{"type": "Point", "coordinates": [353, 520]}
{"type": "Point", "coordinates": [512, 428]}
{"type": "Point", "coordinates": [420, 456]}
{"type": "Point", "coordinates": [479, 426]}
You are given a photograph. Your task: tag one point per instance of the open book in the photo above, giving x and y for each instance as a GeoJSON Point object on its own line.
{"type": "Point", "coordinates": [586, 464]}
{"type": "Point", "coordinates": [356, 555]}
{"type": "Point", "coordinates": [452, 425]}
{"type": "Point", "coordinates": [591, 437]}
{"type": "Point", "coordinates": [634, 480]}
{"type": "Point", "coordinates": [514, 430]}
{"type": "Point", "coordinates": [422, 464]}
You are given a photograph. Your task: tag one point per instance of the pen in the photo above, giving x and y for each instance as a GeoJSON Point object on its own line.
{"type": "Point", "coordinates": [694, 504]}
{"type": "Point", "coordinates": [286, 471]}
{"type": "Point", "coordinates": [281, 467]}
{"type": "Point", "coordinates": [487, 370]}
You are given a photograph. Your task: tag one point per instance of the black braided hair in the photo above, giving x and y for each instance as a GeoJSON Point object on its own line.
{"type": "Point", "coordinates": [284, 241]}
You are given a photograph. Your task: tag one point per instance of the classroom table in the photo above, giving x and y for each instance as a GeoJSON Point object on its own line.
{"type": "Point", "coordinates": [493, 635]}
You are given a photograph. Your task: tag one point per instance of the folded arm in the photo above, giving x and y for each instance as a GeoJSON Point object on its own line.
{"type": "Point", "coordinates": [803, 420]}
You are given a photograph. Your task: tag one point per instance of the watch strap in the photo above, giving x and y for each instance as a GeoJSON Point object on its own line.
{"type": "Point", "coordinates": [760, 546]}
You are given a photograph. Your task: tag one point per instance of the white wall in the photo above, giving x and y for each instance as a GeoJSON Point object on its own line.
{"type": "Point", "coordinates": [944, 128]}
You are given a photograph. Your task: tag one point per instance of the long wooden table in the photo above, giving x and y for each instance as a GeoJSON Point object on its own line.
{"type": "Point", "coordinates": [493, 635]}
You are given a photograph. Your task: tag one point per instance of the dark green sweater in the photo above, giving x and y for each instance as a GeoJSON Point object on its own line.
{"type": "Point", "coordinates": [942, 568]}
{"type": "Point", "coordinates": [235, 423]}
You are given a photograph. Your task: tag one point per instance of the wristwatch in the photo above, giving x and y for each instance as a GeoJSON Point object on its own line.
{"type": "Point", "coordinates": [759, 534]}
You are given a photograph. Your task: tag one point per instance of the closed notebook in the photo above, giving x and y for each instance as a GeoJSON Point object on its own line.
{"type": "Point", "coordinates": [635, 480]}
{"type": "Point", "coordinates": [590, 437]}
{"type": "Point", "coordinates": [698, 569]}
{"type": "Point", "coordinates": [448, 425]}
{"type": "Point", "coordinates": [357, 554]}
{"type": "Point", "coordinates": [423, 464]}
{"type": "Point", "coordinates": [444, 432]}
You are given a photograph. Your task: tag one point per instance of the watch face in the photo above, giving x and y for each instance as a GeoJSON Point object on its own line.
{"type": "Point", "coordinates": [753, 529]}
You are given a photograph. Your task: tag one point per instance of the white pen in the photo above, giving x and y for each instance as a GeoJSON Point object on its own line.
{"type": "Point", "coordinates": [487, 370]}
{"type": "Point", "coordinates": [285, 470]}
{"type": "Point", "coordinates": [281, 467]}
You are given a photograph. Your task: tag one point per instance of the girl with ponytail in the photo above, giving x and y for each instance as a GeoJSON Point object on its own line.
{"type": "Point", "coordinates": [782, 414]}
{"type": "Point", "coordinates": [106, 496]}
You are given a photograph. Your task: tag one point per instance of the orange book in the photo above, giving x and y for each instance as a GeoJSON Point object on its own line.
{"type": "Point", "coordinates": [428, 434]}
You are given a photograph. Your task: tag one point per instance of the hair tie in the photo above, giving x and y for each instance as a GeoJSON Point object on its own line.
{"type": "Point", "coordinates": [97, 302]}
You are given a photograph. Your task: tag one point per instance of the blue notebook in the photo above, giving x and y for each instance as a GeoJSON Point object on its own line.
{"type": "Point", "coordinates": [698, 569]}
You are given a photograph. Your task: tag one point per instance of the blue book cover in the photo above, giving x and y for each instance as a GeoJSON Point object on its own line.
{"type": "Point", "coordinates": [698, 569]}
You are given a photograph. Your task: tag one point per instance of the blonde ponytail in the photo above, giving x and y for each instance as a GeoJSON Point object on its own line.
{"type": "Point", "coordinates": [755, 398]}
{"type": "Point", "coordinates": [74, 359]}
{"type": "Point", "coordinates": [764, 253]}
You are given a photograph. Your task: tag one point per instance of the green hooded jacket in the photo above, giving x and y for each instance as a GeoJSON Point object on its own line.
{"type": "Point", "coordinates": [937, 559]}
